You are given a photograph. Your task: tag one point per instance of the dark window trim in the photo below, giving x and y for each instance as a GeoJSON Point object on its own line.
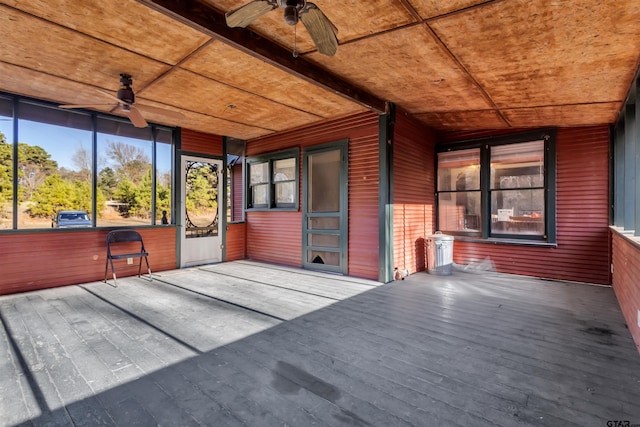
{"type": "Point", "coordinates": [95, 117]}
{"type": "Point", "coordinates": [270, 159]}
{"type": "Point", "coordinates": [548, 135]}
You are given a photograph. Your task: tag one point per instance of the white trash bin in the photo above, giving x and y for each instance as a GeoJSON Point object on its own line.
{"type": "Point", "coordinates": [439, 254]}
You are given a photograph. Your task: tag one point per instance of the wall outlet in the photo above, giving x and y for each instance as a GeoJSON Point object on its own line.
{"type": "Point", "coordinates": [638, 318]}
{"type": "Point", "coordinates": [129, 261]}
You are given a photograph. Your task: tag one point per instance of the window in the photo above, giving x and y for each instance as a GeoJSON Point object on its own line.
{"type": "Point", "coordinates": [124, 173]}
{"type": "Point", "coordinates": [54, 163]}
{"type": "Point", "coordinates": [499, 188]}
{"type": "Point", "coordinates": [273, 181]}
{"type": "Point", "coordinates": [517, 189]}
{"type": "Point", "coordinates": [6, 163]}
{"type": "Point", "coordinates": [67, 160]}
{"type": "Point", "coordinates": [459, 190]}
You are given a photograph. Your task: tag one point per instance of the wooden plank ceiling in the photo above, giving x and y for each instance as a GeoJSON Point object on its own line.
{"type": "Point", "coordinates": [454, 65]}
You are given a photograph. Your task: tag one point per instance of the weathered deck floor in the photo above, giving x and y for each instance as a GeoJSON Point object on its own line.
{"type": "Point", "coordinates": [251, 344]}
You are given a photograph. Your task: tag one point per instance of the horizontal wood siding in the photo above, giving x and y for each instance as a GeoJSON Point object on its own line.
{"type": "Point", "coordinates": [277, 236]}
{"type": "Point", "coordinates": [236, 241]}
{"type": "Point", "coordinates": [413, 193]}
{"type": "Point", "coordinates": [364, 193]}
{"type": "Point", "coordinates": [38, 260]}
{"type": "Point", "coordinates": [582, 252]}
{"type": "Point", "coordinates": [202, 143]}
{"type": "Point", "coordinates": [236, 193]}
{"type": "Point", "coordinates": [626, 281]}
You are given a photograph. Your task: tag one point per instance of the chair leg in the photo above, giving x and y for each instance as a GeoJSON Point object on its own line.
{"type": "Point", "coordinates": [113, 271]}
{"type": "Point", "coordinates": [146, 260]}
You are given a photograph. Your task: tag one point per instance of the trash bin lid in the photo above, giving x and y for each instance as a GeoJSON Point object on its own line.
{"type": "Point", "coordinates": [438, 235]}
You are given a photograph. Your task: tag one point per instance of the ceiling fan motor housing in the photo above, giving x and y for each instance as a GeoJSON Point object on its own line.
{"type": "Point", "coordinates": [125, 93]}
{"type": "Point", "coordinates": [291, 9]}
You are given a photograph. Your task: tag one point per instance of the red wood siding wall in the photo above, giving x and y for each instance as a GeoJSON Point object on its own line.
{"type": "Point", "coordinates": [203, 143]}
{"type": "Point", "coordinates": [413, 193]}
{"type": "Point", "coordinates": [277, 236]}
{"type": "Point", "coordinates": [236, 192]}
{"type": "Point", "coordinates": [582, 252]}
{"type": "Point", "coordinates": [626, 281]}
{"type": "Point", "coordinates": [38, 260]}
{"type": "Point", "coordinates": [364, 184]}
{"type": "Point", "coordinates": [236, 241]}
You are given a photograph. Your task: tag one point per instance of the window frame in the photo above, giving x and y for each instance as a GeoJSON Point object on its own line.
{"type": "Point", "coordinates": [18, 113]}
{"type": "Point", "coordinates": [548, 136]}
{"type": "Point", "coordinates": [270, 159]}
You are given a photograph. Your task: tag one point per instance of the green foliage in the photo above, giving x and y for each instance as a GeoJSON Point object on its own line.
{"type": "Point", "coordinates": [127, 195]}
{"type": "Point", "coordinates": [57, 194]}
{"type": "Point", "coordinates": [201, 192]}
{"type": "Point", "coordinates": [107, 182]}
{"type": "Point", "coordinates": [6, 175]}
{"type": "Point", "coordinates": [54, 194]}
{"type": "Point", "coordinates": [36, 156]}
{"type": "Point", "coordinates": [136, 199]}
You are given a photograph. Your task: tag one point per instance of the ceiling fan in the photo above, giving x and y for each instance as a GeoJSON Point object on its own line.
{"type": "Point", "coordinates": [124, 102]}
{"type": "Point", "coordinates": [322, 31]}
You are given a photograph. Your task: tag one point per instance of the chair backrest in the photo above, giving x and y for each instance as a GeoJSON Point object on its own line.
{"type": "Point", "coordinates": [116, 236]}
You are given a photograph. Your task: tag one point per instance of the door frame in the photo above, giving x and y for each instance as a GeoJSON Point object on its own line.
{"type": "Point", "coordinates": [179, 204]}
{"type": "Point", "coordinates": [343, 147]}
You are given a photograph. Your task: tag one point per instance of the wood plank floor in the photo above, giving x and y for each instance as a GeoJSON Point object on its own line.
{"type": "Point", "coordinates": [250, 344]}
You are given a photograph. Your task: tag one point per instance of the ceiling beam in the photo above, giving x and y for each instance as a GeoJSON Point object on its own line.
{"type": "Point", "coordinates": [206, 19]}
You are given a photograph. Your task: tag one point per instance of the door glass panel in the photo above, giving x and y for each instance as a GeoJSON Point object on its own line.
{"type": "Point", "coordinates": [324, 182]}
{"type": "Point", "coordinates": [323, 257]}
{"type": "Point", "coordinates": [201, 199]}
{"type": "Point", "coordinates": [324, 223]}
{"type": "Point", "coordinates": [326, 240]}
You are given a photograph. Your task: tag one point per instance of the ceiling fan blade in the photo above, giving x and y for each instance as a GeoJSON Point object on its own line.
{"type": "Point", "coordinates": [111, 104]}
{"type": "Point", "coordinates": [110, 95]}
{"type": "Point", "coordinates": [160, 111]}
{"type": "Point", "coordinates": [321, 30]}
{"type": "Point", "coordinates": [135, 116]}
{"type": "Point", "coordinates": [245, 15]}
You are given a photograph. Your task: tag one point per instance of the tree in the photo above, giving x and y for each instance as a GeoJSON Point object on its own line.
{"type": "Point", "coordinates": [6, 175]}
{"type": "Point", "coordinates": [82, 160]}
{"type": "Point", "coordinates": [131, 161]}
{"type": "Point", "coordinates": [54, 194]}
{"type": "Point", "coordinates": [107, 182]}
{"type": "Point", "coordinates": [201, 195]}
{"type": "Point", "coordinates": [57, 194]}
{"type": "Point", "coordinates": [126, 194]}
{"type": "Point", "coordinates": [34, 165]}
